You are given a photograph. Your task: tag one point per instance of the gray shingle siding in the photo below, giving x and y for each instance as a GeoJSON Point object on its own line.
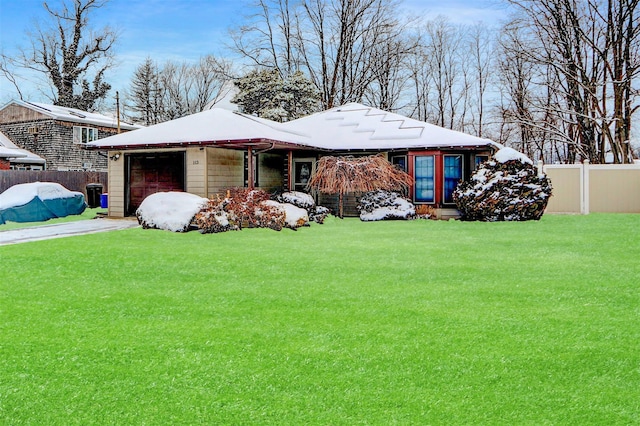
{"type": "Point", "coordinates": [54, 142]}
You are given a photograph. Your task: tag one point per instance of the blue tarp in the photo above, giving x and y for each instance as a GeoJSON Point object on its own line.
{"type": "Point", "coordinates": [38, 210]}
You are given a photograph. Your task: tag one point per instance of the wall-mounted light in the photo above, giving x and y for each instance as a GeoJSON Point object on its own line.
{"type": "Point", "coordinates": [115, 156]}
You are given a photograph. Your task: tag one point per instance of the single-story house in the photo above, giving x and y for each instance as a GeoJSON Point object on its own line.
{"type": "Point", "coordinates": [24, 160]}
{"type": "Point", "coordinates": [56, 134]}
{"type": "Point", "coordinates": [208, 152]}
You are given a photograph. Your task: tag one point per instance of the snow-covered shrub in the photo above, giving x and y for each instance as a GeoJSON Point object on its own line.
{"type": "Point", "coordinates": [318, 214]}
{"type": "Point", "coordinates": [242, 204]}
{"type": "Point", "coordinates": [383, 205]}
{"type": "Point", "coordinates": [294, 217]}
{"type": "Point", "coordinates": [304, 201]}
{"type": "Point", "coordinates": [506, 188]}
{"type": "Point", "coordinates": [212, 219]}
{"type": "Point", "coordinates": [297, 198]}
{"type": "Point", "coordinates": [171, 211]}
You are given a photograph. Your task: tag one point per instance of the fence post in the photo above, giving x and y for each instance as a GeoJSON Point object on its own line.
{"type": "Point", "coordinates": [584, 187]}
{"type": "Point", "coordinates": [540, 168]}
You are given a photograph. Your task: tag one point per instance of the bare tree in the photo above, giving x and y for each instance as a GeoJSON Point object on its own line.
{"type": "Point", "coordinates": [174, 90]}
{"type": "Point", "coordinates": [270, 38]}
{"type": "Point", "coordinates": [336, 43]}
{"type": "Point", "coordinates": [481, 52]}
{"type": "Point", "coordinates": [69, 53]}
{"type": "Point", "coordinates": [441, 75]}
{"type": "Point", "coordinates": [593, 48]}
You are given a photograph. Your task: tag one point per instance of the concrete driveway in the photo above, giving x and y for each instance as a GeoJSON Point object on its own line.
{"type": "Point", "coordinates": [45, 232]}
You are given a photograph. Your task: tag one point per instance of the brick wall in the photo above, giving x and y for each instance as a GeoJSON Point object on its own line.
{"type": "Point", "coordinates": [4, 164]}
{"type": "Point", "coordinates": [54, 142]}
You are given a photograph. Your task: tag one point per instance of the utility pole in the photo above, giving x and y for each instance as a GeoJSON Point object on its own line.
{"type": "Point", "coordinates": [118, 109]}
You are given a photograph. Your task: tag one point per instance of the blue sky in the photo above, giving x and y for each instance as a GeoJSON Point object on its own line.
{"type": "Point", "coordinates": [182, 29]}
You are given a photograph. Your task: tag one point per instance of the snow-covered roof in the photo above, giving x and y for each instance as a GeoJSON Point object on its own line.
{"type": "Point", "coordinates": [10, 153]}
{"type": "Point", "coordinates": [356, 126]}
{"type": "Point", "coordinates": [214, 126]}
{"type": "Point", "coordinates": [25, 156]}
{"type": "Point", "coordinates": [349, 127]}
{"type": "Point", "coordinates": [74, 115]}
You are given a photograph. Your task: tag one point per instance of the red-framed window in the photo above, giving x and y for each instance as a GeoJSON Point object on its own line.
{"type": "Point", "coordinates": [426, 169]}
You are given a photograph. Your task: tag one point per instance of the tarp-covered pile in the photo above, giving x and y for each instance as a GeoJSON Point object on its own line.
{"type": "Point", "coordinates": [39, 201]}
{"type": "Point", "coordinates": [507, 188]}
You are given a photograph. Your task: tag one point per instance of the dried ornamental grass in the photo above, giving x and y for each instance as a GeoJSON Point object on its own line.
{"type": "Point", "coordinates": [358, 174]}
{"type": "Point", "coordinates": [344, 175]}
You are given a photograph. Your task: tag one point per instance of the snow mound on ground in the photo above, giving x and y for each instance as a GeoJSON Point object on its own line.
{"type": "Point", "coordinates": [21, 194]}
{"type": "Point", "coordinates": [385, 205]}
{"type": "Point", "coordinates": [509, 154]}
{"type": "Point", "coordinates": [171, 211]}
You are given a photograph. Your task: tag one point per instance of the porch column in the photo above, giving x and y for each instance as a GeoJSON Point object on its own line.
{"type": "Point", "coordinates": [250, 179]}
{"type": "Point", "coordinates": [289, 170]}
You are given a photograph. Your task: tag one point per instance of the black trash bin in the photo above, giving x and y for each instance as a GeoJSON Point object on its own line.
{"type": "Point", "coordinates": [94, 191]}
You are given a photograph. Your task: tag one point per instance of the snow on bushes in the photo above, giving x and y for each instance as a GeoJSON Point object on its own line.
{"type": "Point", "coordinates": [507, 188]}
{"type": "Point", "coordinates": [241, 208]}
{"type": "Point", "coordinates": [383, 205]}
{"type": "Point", "coordinates": [294, 217]}
{"type": "Point", "coordinates": [305, 201]}
{"type": "Point", "coordinates": [171, 211]}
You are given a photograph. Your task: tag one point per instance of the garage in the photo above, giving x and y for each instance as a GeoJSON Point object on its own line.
{"type": "Point", "coordinates": [151, 173]}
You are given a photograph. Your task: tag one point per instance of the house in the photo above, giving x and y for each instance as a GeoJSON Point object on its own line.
{"type": "Point", "coordinates": [56, 133]}
{"type": "Point", "coordinates": [208, 152]}
{"type": "Point", "coordinates": [25, 160]}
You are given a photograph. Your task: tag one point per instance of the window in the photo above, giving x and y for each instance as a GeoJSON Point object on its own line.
{"type": "Point", "coordinates": [84, 134]}
{"type": "Point", "coordinates": [452, 175]}
{"type": "Point", "coordinates": [480, 159]}
{"type": "Point", "coordinates": [425, 179]}
{"type": "Point", "coordinates": [400, 161]}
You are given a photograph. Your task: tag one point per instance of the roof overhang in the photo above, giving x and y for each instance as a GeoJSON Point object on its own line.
{"type": "Point", "coordinates": [258, 143]}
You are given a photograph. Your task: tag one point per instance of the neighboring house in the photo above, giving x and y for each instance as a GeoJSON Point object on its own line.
{"type": "Point", "coordinates": [56, 134]}
{"type": "Point", "coordinates": [208, 152]}
{"type": "Point", "coordinates": [6, 155]}
{"type": "Point", "coordinates": [24, 161]}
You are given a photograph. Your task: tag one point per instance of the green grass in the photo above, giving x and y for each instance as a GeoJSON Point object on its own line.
{"type": "Point", "coordinates": [87, 214]}
{"type": "Point", "coordinates": [347, 323]}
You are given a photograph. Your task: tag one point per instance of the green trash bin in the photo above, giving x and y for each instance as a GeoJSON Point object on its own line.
{"type": "Point", "coordinates": [94, 191]}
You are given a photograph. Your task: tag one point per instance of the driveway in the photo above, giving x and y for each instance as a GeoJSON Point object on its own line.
{"type": "Point", "coordinates": [45, 232]}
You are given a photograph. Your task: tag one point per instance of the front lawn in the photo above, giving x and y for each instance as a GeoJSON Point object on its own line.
{"type": "Point", "coordinates": [346, 323]}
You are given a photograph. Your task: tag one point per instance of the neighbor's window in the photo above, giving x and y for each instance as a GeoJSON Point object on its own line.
{"type": "Point", "coordinates": [425, 178]}
{"type": "Point", "coordinates": [84, 134]}
{"type": "Point", "coordinates": [452, 175]}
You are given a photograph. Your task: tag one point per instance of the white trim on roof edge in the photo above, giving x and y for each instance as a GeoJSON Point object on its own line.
{"type": "Point", "coordinates": [73, 115]}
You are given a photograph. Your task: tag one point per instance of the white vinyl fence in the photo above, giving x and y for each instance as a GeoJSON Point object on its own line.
{"type": "Point", "coordinates": [594, 188]}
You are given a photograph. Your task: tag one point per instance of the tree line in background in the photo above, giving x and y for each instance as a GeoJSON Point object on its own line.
{"type": "Point", "coordinates": [558, 81]}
